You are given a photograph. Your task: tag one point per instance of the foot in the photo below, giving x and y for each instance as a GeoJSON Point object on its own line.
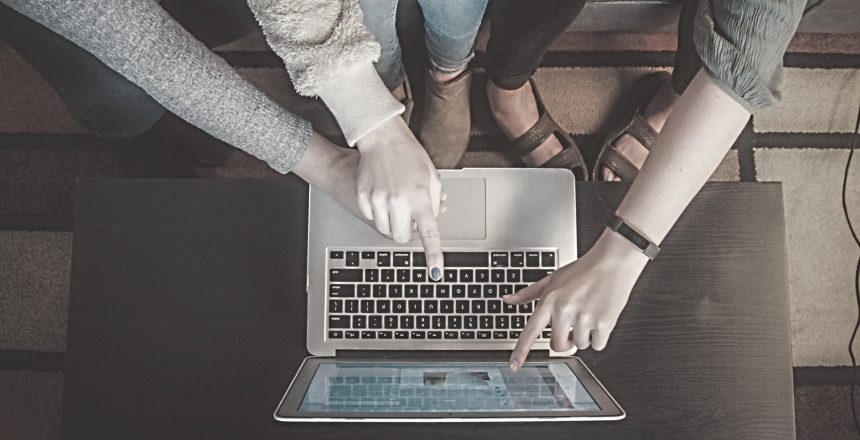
{"type": "Point", "coordinates": [446, 119]}
{"type": "Point", "coordinates": [655, 114]}
{"type": "Point", "coordinates": [516, 112]}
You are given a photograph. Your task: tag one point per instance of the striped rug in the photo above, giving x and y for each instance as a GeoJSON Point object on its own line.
{"type": "Point", "coordinates": [802, 143]}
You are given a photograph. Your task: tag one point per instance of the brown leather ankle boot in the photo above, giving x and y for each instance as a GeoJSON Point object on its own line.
{"type": "Point", "coordinates": [446, 120]}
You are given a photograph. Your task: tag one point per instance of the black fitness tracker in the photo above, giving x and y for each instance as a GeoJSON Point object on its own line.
{"type": "Point", "coordinates": [615, 224]}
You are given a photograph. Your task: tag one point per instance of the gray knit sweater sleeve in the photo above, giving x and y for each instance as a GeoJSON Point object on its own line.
{"type": "Point", "coordinates": [139, 40]}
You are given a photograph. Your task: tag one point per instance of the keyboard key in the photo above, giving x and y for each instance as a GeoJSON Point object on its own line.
{"type": "Point", "coordinates": [474, 291]}
{"type": "Point", "coordinates": [401, 259]}
{"type": "Point", "coordinates": [499, 259]}
{"type": "Point", "coordinates": [494, 306]}
{"type": "Point", "coordinates": [374, 321]}
{"type": "Point", "coordinates": [426, 291]}
{"type": "Point", "coordinates": [513, 276]}
{"type": "Point", "coordinates": [438, 321]}
{"type": "Point", "coordinates": [434, 335]}
{"type": "Point", "coordinates": [417, 334]}
{"type": "Point", "coordinates": [479, 307]}
{"type": "Point", "coordinates": [458, 291]}
{"type": "Point", "coordinates": [506, 289]}
{"type": "Point", "coordinates": [383, 306]}
{"type": "Point", "coordinates": [403, 275]}
{"type": "Point", "coordinates": [419, 275]}
{"type": "Point", "coordinates": [532, 275]}
{"type": "Point", "coordinates": [486, 321]}
{"type": "Point", "coordinates": [390, 321]}
{"type": "Point", "coordinates": [352, 258]}
{"type": "Point", "coordinates": [518, 259]}
{"type": "Point", "coordinates": [455, 322]}
{"type": "Point", "coordinates": [351, 334]}
{"type": "Point", "coordinates": [407, 322]}
{"type": "Point", "coordinates": [450, 275]}
{"type": "Point", "coordinates": [467, 275]}
{"type": "Point", "coordinates": [482, 276]}
{"type": "Point", "coordinates": [462, 306]}
{"type": "Point", "coordinates": [368, 255]}
{"type": "Point", "coordinates": [422, 322]}
{"type": "Point", "coordinates": [470, 322]}
{"type": "Point", "coordinates": [371, 275]}
{"type": "Point", "coordinates": [518, 321]}
{"type": "Point", "coordinates": [467, 335]}
{"type": "Point", "coordinates": [398, 306]}
{"type": "Point", "coordinates": [383, 259]}
{"type": "Point", "coordinates": [379, 291]}
{"type": "Point", "coordinates": [368, 334]}
{"type": "Point", "coordinates": [335, 306]}
{"type": "Point", "coordinates": [514, 334]}
{"type": "Point", "coordinates": [442, 291]}
{"type": "Point", "coordinates": [359, 321]}
{"type": "Point", "coordinates": [509, 308]}
{"type": "Point", "coordinates": [484, 334]}
{"type": "Point", "coordinates": [351, 306]}
{"type": "Point", "coordinates": [533, 259]}
{"type": "Point", "coordinates": [410, 291]}
{"type": "Point", "coordinates": [451, 335]}
{"type": "Point", "coordinates": [500, 335]}
{"type": "Point", "coordinates": [466, 259]}
{"type": "Point", "coordinates": [335, 334]}
{"type": "Point", "coordinates": [547, 259]}
{"type": "Point", "coordinates": [431, 306]}
{"type": "Point", "coordinates": [367, 306]}
{"type": "Point", "coordinates": [491, 291]}
{"type": "Point", "coordinates": [497, 275]}
{"type": "Point", "coordinates": [338, 321]}
{"type": "Point", "coordinates": [341, 290]}
{"type": "Point", "coordinates": [415, 306]}
{"type": "Point", "coordinates": [519, 287]}
{"type": "Point", "coordinates": [335, 255]}
{"type": "Point", "coordinates": [395, 291]}
{"type": "Point", "coordinates": [502, 322]}
{"type": "Point", "coordinates": [344, 275]}
{"type": "Point", "coordinates": [526, 308]}
{"type": "Point", "coordinates": [364, 290]}
{"type": "Point", "coordinates": [387, 275]}
{"type": "Point", "coordinates": [401, 335]}
{"type": "Point", "coordinates": [384, 334]}
{"type": "Point", "coordinates": [446, 306]}
{"type": "Point", "coordinates": [546, 334]}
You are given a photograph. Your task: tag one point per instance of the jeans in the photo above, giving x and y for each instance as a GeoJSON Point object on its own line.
{"type": "Point", "coordinates": [740, 42]}
{"type": "Point", "coordinates": [102, 100]}
{"type": "Point", "coordinates": [450, 28]}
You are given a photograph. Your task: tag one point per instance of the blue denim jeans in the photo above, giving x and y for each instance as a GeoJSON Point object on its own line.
{"type": "Point", "coordinates": [450, 27]}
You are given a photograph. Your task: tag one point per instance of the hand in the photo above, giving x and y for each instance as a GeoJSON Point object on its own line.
{"type": "Point", "coordinates": [582, 300]}
{"type": "Point", "coordinates": [398, 185]}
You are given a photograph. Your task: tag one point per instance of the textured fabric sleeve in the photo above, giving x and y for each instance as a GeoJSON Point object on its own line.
{"type": "Point", "coordinates": [742, 42]}
{"type": "Point", "coordinates": [139, 40]}
{"type": "Point", "coordinates": [329, 53]}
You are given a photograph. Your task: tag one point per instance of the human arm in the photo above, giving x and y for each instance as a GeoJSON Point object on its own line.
{"type": "Point", "coordinates": [590, 293]}
{"type": "Point", "coordinates": [329, 53]}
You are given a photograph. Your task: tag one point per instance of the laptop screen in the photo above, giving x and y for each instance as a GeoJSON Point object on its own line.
{"type": "Point", "coordinates": [440, 387]}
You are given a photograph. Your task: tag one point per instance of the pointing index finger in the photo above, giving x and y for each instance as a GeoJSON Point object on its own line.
{"type": "Point", "coordinates": [428, 231]}
{"type": "Point", "coordinates": [538, 321]}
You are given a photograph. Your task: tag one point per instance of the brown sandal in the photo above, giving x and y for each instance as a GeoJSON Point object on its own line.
{"type": "Point", "coordinates": [569, 158]}
{"type": "Point", "coordinates": [637, 127]}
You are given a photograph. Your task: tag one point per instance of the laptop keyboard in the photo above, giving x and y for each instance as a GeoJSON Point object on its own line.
{"type": "Point", "coordinates": [387, 294]}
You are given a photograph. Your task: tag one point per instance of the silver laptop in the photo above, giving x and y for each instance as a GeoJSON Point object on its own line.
{"type": "Point", "coordinates": [503, 229]}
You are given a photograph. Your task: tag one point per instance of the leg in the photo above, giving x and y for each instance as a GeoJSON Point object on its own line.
{"type": "Point", "coordinates": [521, 32]}
{"type": "Point", "coordinates": [380, 17]}
{"type": "Point", "coordinates": [102, 100]}
{"type": "Point", "coordinates": [450, 28]}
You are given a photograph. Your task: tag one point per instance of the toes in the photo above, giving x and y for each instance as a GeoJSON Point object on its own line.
{"type": "Point", "coordinates": [608, 175]}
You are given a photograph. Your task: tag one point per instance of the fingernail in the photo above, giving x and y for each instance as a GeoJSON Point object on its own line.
{"type": "Point", "coordinates": [513, 365]}
{"type": "Point", "coordinates": [435, 274]}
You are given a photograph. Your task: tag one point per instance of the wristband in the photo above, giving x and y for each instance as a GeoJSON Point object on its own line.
{"type": "Point", "coordinates": [615, 224]}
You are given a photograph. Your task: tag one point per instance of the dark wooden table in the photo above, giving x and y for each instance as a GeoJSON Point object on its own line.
{"type": "Point", "coordinates": [187, 319]}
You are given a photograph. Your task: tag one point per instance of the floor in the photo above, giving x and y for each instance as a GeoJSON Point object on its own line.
{"type": "Point", "coordinates": [802, 143]}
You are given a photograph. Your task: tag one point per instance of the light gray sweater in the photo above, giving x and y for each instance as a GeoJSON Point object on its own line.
{"type": "Point", "coordinates": [324, 42]}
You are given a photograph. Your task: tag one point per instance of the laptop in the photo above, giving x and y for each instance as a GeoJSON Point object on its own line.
{"type": "Point", "coordinates": [389, 344]}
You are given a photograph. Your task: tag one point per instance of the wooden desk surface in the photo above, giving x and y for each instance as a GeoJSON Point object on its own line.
{"type": "Point", "coordinates": [187, 319]}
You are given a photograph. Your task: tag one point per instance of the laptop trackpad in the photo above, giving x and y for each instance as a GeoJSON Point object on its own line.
{"type": "Point", "coordinates": [466, 217]}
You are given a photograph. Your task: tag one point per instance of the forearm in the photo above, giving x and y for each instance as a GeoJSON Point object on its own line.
{"type": "Point", "coordinates": [700, 130]}
{"type": "Point", "coordinates": [329, 53]}
{"type": "Point", "coordinates": [141, 42]}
